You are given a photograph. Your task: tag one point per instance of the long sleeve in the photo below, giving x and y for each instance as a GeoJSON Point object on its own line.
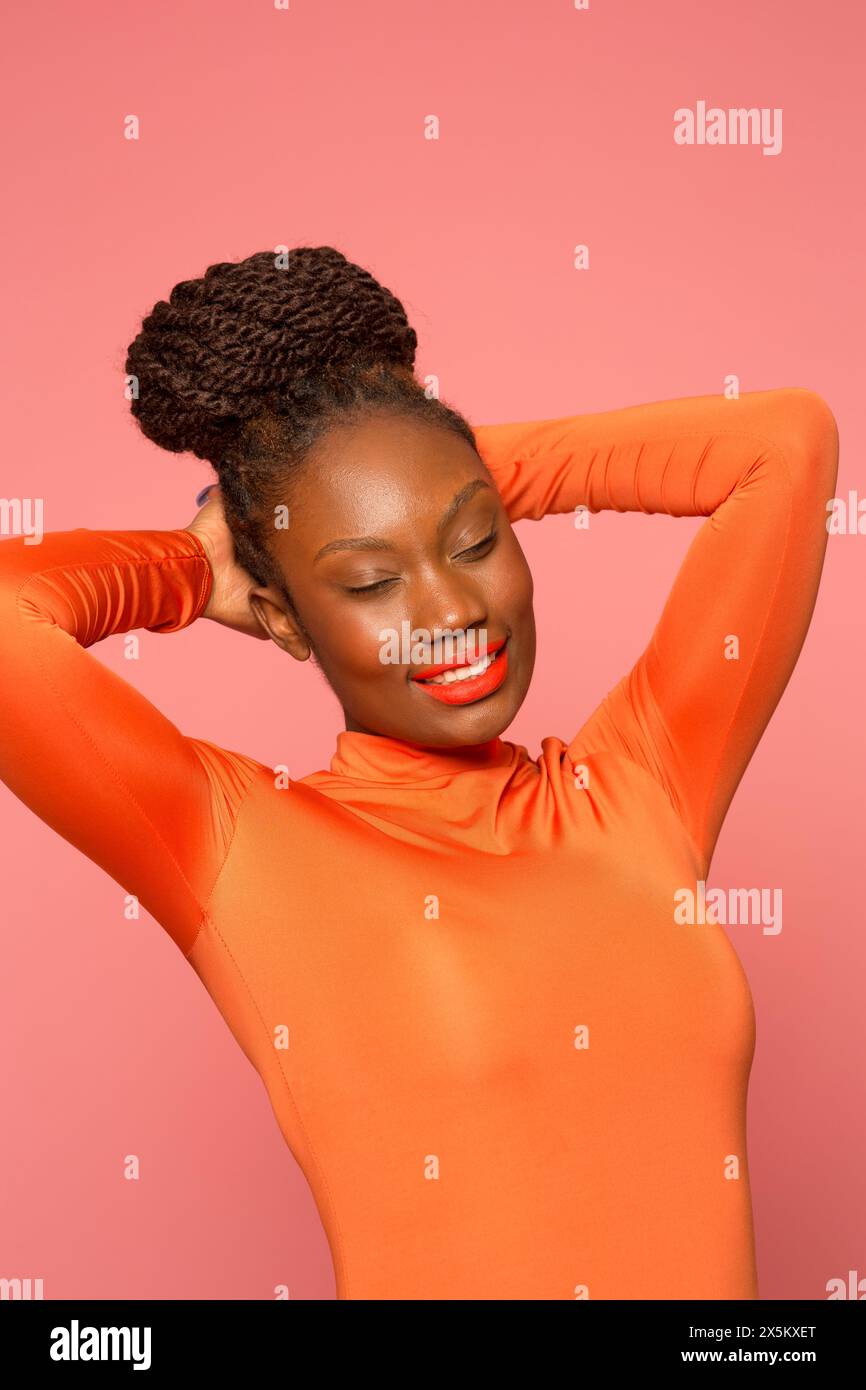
{"type": "Point", "coordinates": [761, 469]}
{"type": "Point", "coordinates": [82, 747]}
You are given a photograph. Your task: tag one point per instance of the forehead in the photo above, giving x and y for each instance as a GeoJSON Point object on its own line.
{"type": "Point", "coordinates": [381, 473]}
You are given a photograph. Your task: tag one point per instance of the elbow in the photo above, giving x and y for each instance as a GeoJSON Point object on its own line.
{"type": "Point", "coordinates": [808, 435]}
{"type": "Point", "coordinates": [818, 423]}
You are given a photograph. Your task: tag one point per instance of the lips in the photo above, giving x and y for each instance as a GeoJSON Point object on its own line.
{"type": "Point", "coordinates": [464, 690]}
{"type": "Point", "coordinates": [429, 671]}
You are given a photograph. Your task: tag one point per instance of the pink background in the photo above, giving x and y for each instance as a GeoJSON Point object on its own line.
{"type": "Point", "coordinates": [262, 127]}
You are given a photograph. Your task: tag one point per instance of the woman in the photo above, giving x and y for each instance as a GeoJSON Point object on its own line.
{"type": "Point", "coordinates": [506, 1066]}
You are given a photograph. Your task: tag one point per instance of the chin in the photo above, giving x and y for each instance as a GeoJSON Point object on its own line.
{"type": "Point", "coordinates": [456, 726]}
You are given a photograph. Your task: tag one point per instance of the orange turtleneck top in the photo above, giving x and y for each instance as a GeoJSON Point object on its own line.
{"type": "Point", "coordinates": [505, 1067]}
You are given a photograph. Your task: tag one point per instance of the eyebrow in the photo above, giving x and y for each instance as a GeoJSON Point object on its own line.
{"type": "Point", "coordinates": [379, 543]}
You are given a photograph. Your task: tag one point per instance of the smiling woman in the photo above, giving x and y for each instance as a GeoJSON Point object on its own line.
{"type": "Point", "coordinates": [513, 1072]}
{"type": "Point", "coordinates": [430, 545]}
{"type": "Point", "coordinates": [296, 381]}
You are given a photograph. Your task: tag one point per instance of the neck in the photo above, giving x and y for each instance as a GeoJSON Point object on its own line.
{"type": "Point", "coordinates": [361, 753]}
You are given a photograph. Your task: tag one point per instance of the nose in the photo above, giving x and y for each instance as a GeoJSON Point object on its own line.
{"type": "Point", "coordinates": [450, 604]}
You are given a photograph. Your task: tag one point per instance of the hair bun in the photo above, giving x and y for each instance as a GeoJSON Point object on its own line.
{"type": "Point", "coordinates": [252, 336]}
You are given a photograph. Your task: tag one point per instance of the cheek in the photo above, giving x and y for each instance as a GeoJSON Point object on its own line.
{"type": "Point", "coordinates": [351, 649]}
{"type": "Point", "coordinates": [511, 578]}
{"type": "Point", "coordinates": [356, 642]}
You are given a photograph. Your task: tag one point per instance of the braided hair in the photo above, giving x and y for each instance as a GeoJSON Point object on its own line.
{"type": "Point", "coordinates": [250, 365]}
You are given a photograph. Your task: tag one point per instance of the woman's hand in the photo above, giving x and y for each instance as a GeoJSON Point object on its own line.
{"type": "Point", "coordinates": [229, 601]}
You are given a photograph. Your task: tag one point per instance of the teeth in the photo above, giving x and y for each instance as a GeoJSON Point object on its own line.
{"type": "Point", "coordinates": [463, 673]}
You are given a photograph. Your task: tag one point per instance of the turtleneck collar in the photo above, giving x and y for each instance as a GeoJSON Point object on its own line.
{"type": "Point", "coordinates": [378, 758]}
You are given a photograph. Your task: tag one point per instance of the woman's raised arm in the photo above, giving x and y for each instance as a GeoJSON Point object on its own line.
{"type": "Point", "coordinates": [761, 468]}
{"type": "Point", "coordinates": [82, 747]}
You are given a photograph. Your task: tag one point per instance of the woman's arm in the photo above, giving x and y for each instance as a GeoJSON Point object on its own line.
{"type": "Point", "coordinates": [82, 747]}
{"type": "Point", "coordinates": [762, 468]}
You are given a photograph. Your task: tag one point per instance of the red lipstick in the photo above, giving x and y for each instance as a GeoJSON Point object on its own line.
{"type": "Point", "coordinates": [427, 671]}
{"type": "Point", "coordinates": [465, 689]}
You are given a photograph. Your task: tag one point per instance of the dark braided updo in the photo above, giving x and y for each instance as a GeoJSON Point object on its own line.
{"type": "Point", "coordinates": [249, 366]}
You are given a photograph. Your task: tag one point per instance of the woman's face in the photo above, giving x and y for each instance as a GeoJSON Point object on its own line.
{"type": "Point", "coordinates": [397, 537]}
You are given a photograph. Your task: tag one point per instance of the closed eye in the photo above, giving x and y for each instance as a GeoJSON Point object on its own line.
{"type": "Point", "coordinates": [481, 544]}
{"type": "Point", "coordinates": [383, 583]}
{"type": "Point", "coordinates": [371, 588]}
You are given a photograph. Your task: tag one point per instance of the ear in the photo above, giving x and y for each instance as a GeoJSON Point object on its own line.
{"type": "Point", "coordinates": [279, 623]}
